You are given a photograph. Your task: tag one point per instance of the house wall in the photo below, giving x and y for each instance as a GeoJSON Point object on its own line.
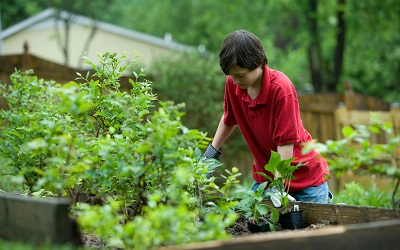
{"type": "Point", "coordinates": [43, 43]}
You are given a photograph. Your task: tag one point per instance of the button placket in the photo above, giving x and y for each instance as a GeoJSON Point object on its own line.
{"type": "Point", "coordinates": [252, 109]}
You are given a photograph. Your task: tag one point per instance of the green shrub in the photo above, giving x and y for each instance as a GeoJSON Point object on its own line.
{"type": "Point", "coordinates": [357, 153]}
{"type": "Point", "coordinates": [357, 195]}
{"type": "Point", "coordinates": [198, 81]}
{"type": "Point", "coordinates": [88, 138]}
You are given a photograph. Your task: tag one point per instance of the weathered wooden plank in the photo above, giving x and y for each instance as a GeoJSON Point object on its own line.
{"type": "Point", "coordinates": [354, 227]}
{"type": "Point", "coordinates": [318, 107]}
{"type": "Point", "coordinates": [34, 220]}
{"type": "Point", "coordinates": [373, 235]}
{"type": "Point", "coordinates": [334, 214]}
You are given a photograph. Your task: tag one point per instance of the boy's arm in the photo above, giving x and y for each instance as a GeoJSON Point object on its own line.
{"type": "Point", "coordinates": [222, 133]}
{"type": "Point", "coordinates": [286, 152]}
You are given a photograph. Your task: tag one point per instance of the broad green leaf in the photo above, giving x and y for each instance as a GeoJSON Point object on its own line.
{"type": "Point", "coordinates": [347, 131]}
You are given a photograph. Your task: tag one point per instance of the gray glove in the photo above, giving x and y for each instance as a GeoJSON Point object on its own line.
{"type": "Point", "coordinates": [275, 196]}
{"type": "Point", "coordinates": [213, 153]}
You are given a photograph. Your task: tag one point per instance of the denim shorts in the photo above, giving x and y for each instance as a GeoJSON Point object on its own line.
{"type": "Point", "coordinates": [319, 194]}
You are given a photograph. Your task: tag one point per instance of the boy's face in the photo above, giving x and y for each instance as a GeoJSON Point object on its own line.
{"type": "Point", "coordinates": [244, 77]}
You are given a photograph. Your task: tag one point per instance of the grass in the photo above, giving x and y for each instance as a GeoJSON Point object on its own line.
{"type": "Point", "coordinates": [44, 246]}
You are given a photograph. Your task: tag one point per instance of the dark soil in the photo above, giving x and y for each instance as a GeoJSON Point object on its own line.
{"type": "Point", "coordinates": [240, 228]}
{"type": "Point", "coordinates": [92, 241]}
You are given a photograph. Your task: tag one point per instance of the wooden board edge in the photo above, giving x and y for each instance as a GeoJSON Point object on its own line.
{"type": "Point", "coordinates": [372, 235]}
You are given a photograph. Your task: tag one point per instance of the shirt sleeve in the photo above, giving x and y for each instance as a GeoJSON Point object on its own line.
{"type": "Point", "coordinates": [287, 118]}
{"type": "Point", "coordinates": [229, 115]}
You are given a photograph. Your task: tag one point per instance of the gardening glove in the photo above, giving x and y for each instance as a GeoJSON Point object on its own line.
{"type": "Point", "coordinates": [211, 152]}
{"type": "Point", "coordinates": [275, 196]}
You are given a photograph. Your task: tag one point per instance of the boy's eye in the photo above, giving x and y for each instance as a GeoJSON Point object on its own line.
{"type": "Point", "coordinates": [240, 76]}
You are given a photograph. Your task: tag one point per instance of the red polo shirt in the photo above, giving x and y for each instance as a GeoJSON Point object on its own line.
{"type": "Point", "coordinates": [270, 120]}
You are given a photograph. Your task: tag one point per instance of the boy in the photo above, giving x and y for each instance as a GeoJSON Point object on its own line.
{"type": "Point", "coordinates": [263, 103]}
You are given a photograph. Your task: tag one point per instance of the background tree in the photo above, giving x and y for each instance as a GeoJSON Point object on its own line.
{"type": "Point", "coordinates": [372, 56]}
{"type": "Point", "coordinates": [14, 11]}
{"type": "Point", "coordinates": [318, 44]}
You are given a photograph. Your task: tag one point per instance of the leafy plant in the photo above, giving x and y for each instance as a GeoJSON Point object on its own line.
{"type": "Point", "coordinates": [355, 194]}
{"type": "Point", "coordinates": [24, 126]}
{"type": "Point", "coordinates": [172, 75]}
{"type": "Point", "coordinates": [251, 203]}
{"type": "Point", "coordinates": [356, 152]}
{"type": "Point", "coordinates": [281, 180]}
{"type": "Point", "coordinates": [88, 138]}
{"type": "Point", "coordinates": [251, 206]}
{"type": "Point", "coordinates": [213, 197]}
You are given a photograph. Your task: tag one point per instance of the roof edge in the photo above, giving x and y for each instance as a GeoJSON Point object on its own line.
{"type": "Point", "coordinates": [83, 20]}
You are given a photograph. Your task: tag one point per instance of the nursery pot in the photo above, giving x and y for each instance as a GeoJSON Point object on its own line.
{"type": "Point", "coordinates": [292, 220]}
{"type": "Point", "coordinates": [262, 226]}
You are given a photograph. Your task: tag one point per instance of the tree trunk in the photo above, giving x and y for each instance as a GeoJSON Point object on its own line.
{"type": "Point", "coordinates": [314, 48]}
{"type": "Point", "coordinates": [340, 44]}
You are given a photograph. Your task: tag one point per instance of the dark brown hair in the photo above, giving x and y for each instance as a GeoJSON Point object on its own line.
{"type": "Point", "coordinates": [243, 49]}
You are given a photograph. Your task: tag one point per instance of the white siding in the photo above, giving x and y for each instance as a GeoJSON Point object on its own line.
{"type": "Point", "coordinates": [43, 43]}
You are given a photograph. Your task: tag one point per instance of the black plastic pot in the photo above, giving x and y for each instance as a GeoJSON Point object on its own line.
{"type": "Point", "coordinates": [292, 220]}
{"type": "Point", "coordinates": [261, 227]}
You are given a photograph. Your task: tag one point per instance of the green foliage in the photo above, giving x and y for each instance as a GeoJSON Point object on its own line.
{"type": "Point", "coordinates": [45, 246]}
{"type": "Point", "coordinates": [54, 133]}
{"type": "Point", "coordinates": [24, 121]}
{"type": "Point", "coordinates": [357, 195]}
{"type": "Point", "coordinates": [188, 78]}
{"type": "Point", "coordinates": [90, 139]}
{"type": "Point", "coordinates": [356, 152]}
{"type": "Point", "coordinates": [282, 172]}
{"type": "Point", "coordinates": [196, 80]}
{"type": "Point", "coordinates": [377, 37]}
{"type": "Point", "coordinates": [18, 10]}
{"type": "Point", "coordinates": [252, 207]}
{"type": "Point", "coordinates": [212, 197]}
{"type": "Point", "coordinates": [171, 218]}
{"type": "Point", "coordinates": [371, 52]}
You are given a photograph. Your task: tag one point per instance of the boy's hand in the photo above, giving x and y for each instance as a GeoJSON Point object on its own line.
{"type": "Point", "coordinates": [211, 152]}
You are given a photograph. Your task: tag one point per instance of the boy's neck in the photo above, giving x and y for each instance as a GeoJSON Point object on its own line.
{"type": "Point", "coordinates": [254, 89]}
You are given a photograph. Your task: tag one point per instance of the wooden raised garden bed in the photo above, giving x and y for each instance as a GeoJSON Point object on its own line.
{"type": "Point", "coordinates": [348, 227]}
{"type": "Point", "coordinates": [36, 220]}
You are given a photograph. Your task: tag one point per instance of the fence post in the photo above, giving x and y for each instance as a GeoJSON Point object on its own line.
{"type": "Point", "coordinates": [395, 117]}
{"type": "Point", "coordinates": [349, 98]}
{"type": "Point", "coordinates": [341, 113]}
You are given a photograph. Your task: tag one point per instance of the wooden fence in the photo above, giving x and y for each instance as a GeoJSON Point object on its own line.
{"type": "Point", "coordinates": [346, 117]}
{"type": "Point", "coordinates": [348, 114]}
{"type": "Point", "coordinates": [320, 116]}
